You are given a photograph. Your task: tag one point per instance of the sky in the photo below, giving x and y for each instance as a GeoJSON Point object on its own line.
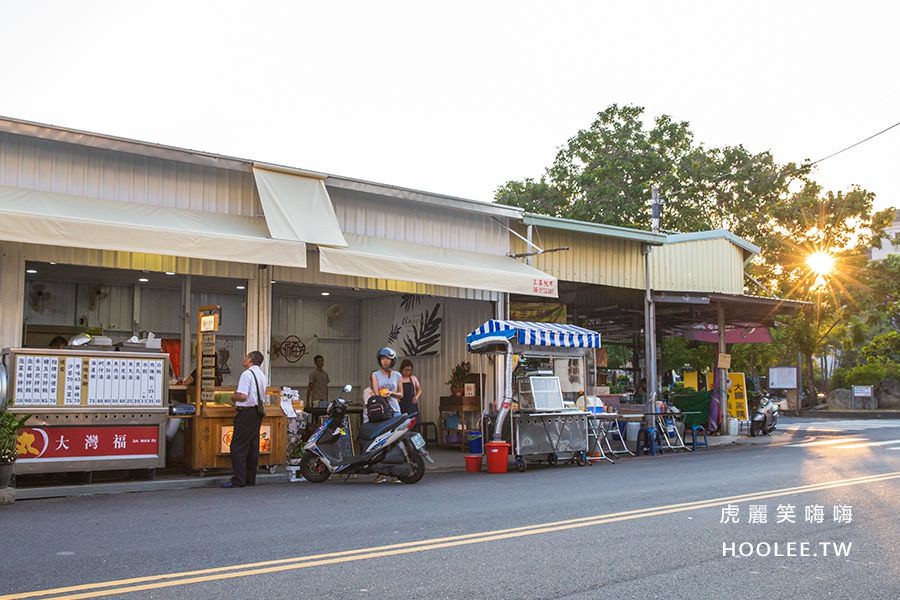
{"type": "Point", "coordinates": [460, 97]}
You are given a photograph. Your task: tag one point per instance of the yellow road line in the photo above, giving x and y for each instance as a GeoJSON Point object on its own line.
{"type": "Point", "coordinates": [94, 590]}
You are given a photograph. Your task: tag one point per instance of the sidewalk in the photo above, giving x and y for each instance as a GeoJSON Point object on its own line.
{"type": "Point", "coordinates": [445, 461]}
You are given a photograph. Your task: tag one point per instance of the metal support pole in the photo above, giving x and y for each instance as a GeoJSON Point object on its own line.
{"type": "Point", "coordinates": [723, 373]}
{"type": "Point", "coordinates": [500, 365]}
{"type": "Point", "coordinates": [136, 310]}
{"type": "Point", "coordinates": [528, 233]}
{"type": "Point", "coordinates": [649, 344]}
{"type": "Point", "coordinates": [186, 329]}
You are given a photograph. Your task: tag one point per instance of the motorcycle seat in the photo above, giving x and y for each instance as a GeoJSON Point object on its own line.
{"type": "Point", "coordinates": [370, 431]}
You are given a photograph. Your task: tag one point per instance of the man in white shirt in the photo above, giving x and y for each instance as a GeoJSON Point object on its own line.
{"type": "Point", "coordinates": [250, 394]}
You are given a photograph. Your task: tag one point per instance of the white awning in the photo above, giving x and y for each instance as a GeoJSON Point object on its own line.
{"type": "Point", "coordinates": [298, 208]}
{"type": "Point", "coordinates": [36, 217]}
{"type": "Point", "coordinates": [388, 259]}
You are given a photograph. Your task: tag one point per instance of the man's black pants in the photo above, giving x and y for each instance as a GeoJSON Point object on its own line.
{"type": "Point", "coordinates": [245, 447]}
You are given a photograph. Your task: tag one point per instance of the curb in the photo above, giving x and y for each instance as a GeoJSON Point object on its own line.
{"type": "Point", "coordinates": [125, 487]}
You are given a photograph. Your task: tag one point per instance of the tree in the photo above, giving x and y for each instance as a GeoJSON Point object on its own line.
{"type": "Point", "coordinates": [605, 173]}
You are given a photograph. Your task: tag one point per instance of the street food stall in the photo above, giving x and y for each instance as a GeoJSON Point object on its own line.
{"type": "Point", "coordinates": [211, 427]}
{"type": "Point", "coordinates": [91, 409]}
{"type": "Point", "coordinates": [545, 367]}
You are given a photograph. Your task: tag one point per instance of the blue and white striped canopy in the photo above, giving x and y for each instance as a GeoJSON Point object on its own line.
{"type": "Point", "coordinates": [537, 334]}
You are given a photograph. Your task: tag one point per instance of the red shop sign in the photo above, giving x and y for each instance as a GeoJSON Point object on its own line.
{"type": "Point", "coordinates": [61, 443]}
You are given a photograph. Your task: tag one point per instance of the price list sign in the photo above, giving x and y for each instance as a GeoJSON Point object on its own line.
{"type": "Point", "coordinates": [36, 380]}
{"type": "Point", "coordinates": [125, 382]}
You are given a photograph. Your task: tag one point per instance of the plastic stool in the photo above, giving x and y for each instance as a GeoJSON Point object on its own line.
{"type": "Point", "coordinates": [695, 429]}
{"type": "Point", "coordinates": [424, 427]}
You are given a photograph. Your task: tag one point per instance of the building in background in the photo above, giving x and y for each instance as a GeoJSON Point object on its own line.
{"type": "Point", "coordinates": [890, 243]}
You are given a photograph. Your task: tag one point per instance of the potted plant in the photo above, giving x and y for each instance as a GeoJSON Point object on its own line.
{"type": "Point", "coordinates": [458, 378]}
{"type": "Point", "coordinates": [9, 430]}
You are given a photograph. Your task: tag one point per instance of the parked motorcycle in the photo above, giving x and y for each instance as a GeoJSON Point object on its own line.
{"type": "Point", "coordinates": [390, 448]}
{"type": "Point", "coordinates": [766, 416]}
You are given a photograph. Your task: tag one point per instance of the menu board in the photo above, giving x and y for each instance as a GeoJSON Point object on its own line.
{"type": "Point", "coordinates": [49, 381]}
{"type": "Point", "coordinates": [36, 380]}
{"type": "Point", "coordinates": [125, 381]}
{"type": "Point", "coordinates": [73, 377]}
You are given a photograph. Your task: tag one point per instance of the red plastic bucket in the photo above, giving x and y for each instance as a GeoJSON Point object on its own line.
{"type": "Point", "coordinates": [497, 456]}
{"type": "Point", "coordinates": [473, 463]}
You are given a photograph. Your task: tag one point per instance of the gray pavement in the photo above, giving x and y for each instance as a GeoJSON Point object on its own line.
{"type": "Point", "coordinates": [674, 552]}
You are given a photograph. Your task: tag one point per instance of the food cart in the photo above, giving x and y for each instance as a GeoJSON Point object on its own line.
{"type": "Point", "coordinates": [91, 409]}
{"type": "Point", "coordinates": [544, 364]}
{"type": "Point", "coordinates": [210, 429]}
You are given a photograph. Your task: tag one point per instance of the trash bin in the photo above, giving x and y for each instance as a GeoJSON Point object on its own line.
{"type": "Point", "coordinates": [497, 457]}
{"type": "Point", "coordinates": [474, 440]}
{"type": "Point", "coordinates": [473, 463]}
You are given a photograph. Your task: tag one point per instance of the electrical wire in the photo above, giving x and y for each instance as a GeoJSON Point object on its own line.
{"type": "Point", "coordinates": [874, 135]}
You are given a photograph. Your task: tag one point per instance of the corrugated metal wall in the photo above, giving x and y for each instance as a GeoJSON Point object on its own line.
{"type": "Point", "coordinates": [65, 168]}
{"type": "Point", "coordinates": [698, 266]}
{"type": "Point", "coordinates": [331, 332]}
{"type": "Point", "coordinates": [429, 225]}
{"type": "Point", "coordinates": [460, 317]}
{"type": "Point", "coordinates": [74, 304]}
{"type": "Point", "coordinates": [589, 259]}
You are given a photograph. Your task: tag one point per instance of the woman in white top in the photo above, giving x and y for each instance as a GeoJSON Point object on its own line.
{"type": "Point", "coordinates": [385, 378]}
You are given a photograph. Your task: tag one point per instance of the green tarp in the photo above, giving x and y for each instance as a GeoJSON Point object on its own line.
{"type": "Point", "coordinates": [694, 402]}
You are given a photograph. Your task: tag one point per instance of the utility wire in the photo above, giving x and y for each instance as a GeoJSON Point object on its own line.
{"type": "Point", "coordinates": [874, 135]}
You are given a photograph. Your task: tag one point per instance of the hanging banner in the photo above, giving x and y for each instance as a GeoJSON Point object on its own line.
{"type": "Point", "coordinates": [417, 326]}
{"type": "Point", "coordinates": [540, 312]}
{"type": "Point", "coordinates": [737, 395]}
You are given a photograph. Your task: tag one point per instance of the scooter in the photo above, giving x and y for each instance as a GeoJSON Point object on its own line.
{"type": "Point", "coordinates": [766, 416]}
{"type": "Point", "coordinates": [390, 448]}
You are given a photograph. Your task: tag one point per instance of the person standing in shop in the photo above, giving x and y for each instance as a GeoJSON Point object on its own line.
{"type": "Point", "coordinates": [412, 391]}
{"type": "Point", "coordinates": [318, 383]}
{"type": "Point", "coordinates": [248, 402]}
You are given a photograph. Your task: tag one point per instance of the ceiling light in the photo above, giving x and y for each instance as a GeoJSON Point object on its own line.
{"type": "Point", "coordinates": [326, 293]}
{"type": "Point", "coordinates": [170, 272]}
{"type": "Point", "coordinates": [274, 282]}
{"type": "Point", "coordinates": [31, 271]}
{"type": "Point", "coordinates": [240, 287]}
{"type": "Point", "coordinates": [143, 280]}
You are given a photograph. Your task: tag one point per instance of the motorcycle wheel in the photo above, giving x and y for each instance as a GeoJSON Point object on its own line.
{"type": "Point", "coordinates": [313, 469]}
{"type": "Point", "coordinates": [755, 428]}
{"type": "Point", "coordinates": [418, 464]}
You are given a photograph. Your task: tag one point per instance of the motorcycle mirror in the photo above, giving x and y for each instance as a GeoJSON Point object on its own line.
{"type": "Point", "coordinates": [348, 388]}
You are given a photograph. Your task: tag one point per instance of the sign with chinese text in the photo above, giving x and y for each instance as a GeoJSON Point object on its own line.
{"type": "Point", "coordinates": [737, 395]}
{"type": "Point", "coordinates": [544, 287]}
{"type": "Point", "coordinates": [87, 443]}
{"type": "Point", "coordinates": [543, 312]}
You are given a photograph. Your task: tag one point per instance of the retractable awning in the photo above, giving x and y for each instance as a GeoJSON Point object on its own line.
{"type": "Point", "coordinates": [37, 217]}
{"type": "Point", "coordinates": [297, 208]}
{"type": "Point", "coordinates": [526, 333]}
{"type": "Point", "coordinates": [389, 259]}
